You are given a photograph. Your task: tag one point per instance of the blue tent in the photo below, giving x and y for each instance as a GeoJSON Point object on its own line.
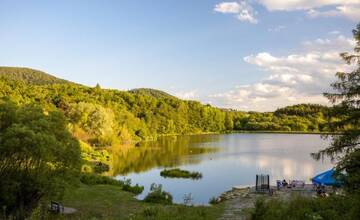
{"type": "Point", "coordinates": [326, 178]}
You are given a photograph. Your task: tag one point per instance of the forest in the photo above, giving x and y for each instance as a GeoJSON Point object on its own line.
{"type": "Point", "coordinates": [103, 117]}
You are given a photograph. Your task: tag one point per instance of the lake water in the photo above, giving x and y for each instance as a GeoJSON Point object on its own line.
{"type": "Point", "coordinates": [225, 160]}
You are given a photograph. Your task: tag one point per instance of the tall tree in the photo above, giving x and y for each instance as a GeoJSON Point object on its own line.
{"type": "Point", "coordinates": [38, 157]}
{"type": "Point", "coordinates": [345, 148]}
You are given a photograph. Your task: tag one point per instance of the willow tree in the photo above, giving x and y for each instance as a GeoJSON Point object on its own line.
{"type": "Point", "coordinates": [345, 148]}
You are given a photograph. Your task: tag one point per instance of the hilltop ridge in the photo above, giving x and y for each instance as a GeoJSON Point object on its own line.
{"type": "Point", "coordinates": [30, 76]}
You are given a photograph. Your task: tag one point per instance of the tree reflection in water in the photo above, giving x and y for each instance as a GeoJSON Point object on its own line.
{"type": "Point", "coordinates": [169, 151]}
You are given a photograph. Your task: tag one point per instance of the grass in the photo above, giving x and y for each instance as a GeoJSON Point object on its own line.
{"type": "Point", "coordinates": [110, 202]}
{"type": "Point", "coordinates": [158, 195]}
{"type": "Point", "coordinates": [177, 173]}
{"type": "Point", "coordinates": [94, 179]}
{"type": "Point", "coordinates": [298, 208]}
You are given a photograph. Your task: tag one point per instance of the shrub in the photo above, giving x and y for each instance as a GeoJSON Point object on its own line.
{"type": "Point", "coordinates": [157, 195]}
{"type": "Point", "coordinates": [86, 168]}
{"type": "Point", "coordinates": [101, 167]}
{"type": "Point", "coordinates": [137, 189]}
{"type": "Point", "coordinates": [177, 173]}
{"type": "Point", "coordinates": [213, 200]}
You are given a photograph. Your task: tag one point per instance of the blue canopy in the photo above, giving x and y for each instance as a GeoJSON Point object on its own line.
{"type": "Point", "coordinates": [326, 178]}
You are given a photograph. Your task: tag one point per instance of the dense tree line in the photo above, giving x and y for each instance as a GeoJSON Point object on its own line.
{"type": "Point", "coordinates": [105, 116]}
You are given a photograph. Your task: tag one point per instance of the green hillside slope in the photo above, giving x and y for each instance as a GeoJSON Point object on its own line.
{"type": "Point", "coordinates": [29, 75]}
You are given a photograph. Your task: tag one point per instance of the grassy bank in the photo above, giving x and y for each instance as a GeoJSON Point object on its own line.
{"type": "Point", "coordinates": [110, 202]}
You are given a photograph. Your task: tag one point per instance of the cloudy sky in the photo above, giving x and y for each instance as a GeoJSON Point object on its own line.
{"type": "Point", "coordinates": [248, 55]}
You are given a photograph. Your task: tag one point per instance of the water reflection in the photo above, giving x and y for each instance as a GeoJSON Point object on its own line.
{"type": "Point", "coordinates": [224, 161]}
{"type": "Point", "coordinates": [166, 152]}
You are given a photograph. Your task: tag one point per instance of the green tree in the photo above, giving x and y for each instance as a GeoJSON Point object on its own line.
{"type": "Point", "coordinates": [229, 123]}
{"type": "Point", "coordinates": [38, 157]}
{"type": "Point", "coordinates": [345, 147]}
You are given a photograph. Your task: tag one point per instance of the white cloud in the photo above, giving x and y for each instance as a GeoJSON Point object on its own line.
{"type": "Point", "coordinates": [350, 11]}
{"type": "Point", "coordinates": [188, 95]}
{"type": "Point", "coordinates": [241, 9]}
{"type": "Point", "coordinates": [315, 8]}
{"type": "Point", "coordinates": [228, 7]}
{"type": "Point", "coordinates": [301, 77]}
{"type": "Point", "coordinates": [290, 5]}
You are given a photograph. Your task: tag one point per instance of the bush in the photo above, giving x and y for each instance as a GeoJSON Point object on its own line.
{"type": "Point", "coordinates": [213, 200]}
{"type": "Point", "coordinates": [157, 195]}
{"type": "Point", "coordinates": [177, 173]}
{"type": "Point", "coordinates": [101, 167]}
{"type": "Point", "coordinates": [137, 189]}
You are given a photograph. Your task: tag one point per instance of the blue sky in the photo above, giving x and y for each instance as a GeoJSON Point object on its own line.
{"type": "Point", "coordinates": [249, 55]}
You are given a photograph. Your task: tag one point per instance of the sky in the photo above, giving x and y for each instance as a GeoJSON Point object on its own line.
{"type": "Point", "coordinates": [247, 54]}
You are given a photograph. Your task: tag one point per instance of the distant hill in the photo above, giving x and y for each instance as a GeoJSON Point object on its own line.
{"type": "Point", "coordinates": [302, 110]}
{"type": "Point", "coordinates": [101, 117]}
{"type": "Point", "coordinates": [30, 76]}
{"type": "Point", "coordinates": [152, 92]}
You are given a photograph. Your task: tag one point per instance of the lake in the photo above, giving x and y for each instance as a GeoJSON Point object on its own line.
{"type": "Point", "coordinates": [225, 160]}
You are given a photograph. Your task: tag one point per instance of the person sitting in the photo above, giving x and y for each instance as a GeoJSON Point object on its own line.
{"type": "Point", "coordinates": [284, 183]}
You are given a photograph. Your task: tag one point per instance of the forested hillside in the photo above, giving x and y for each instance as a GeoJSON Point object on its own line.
{"type": "Point", "coordinates": [102, 117]}
{"type": "Point", "coordinates": [29, 76]}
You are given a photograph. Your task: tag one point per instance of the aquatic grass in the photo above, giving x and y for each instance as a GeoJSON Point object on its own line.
{"type": "Point", "coordinates": [178, 173]}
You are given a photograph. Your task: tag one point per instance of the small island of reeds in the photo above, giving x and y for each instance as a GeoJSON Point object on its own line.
{"type": "Point", "coordinates": [178, 173]}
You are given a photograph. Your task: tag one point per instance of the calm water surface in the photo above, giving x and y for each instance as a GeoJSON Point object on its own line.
{"type": "Point", "coordinates": [225, 160]}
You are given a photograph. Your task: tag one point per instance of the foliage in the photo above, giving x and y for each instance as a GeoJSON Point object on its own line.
{"type": "Point", "coordinates": [94, 160]}
{"type": "Point", "coordinates": [95, 179]}
{"type": "Point", "coordinates": [302, 117]}
{"type": "Point", "coordinates": [28, 75]}
{"type": "Point", "coordinates": [136, 189]}
{"type": "Point", "coordinates": [213, 200]}
{"type": "Point", "coordinates": [101, 167]}
{"type": "Point", "coordinates": [104, 117]}
{"type": "Point", "coordinates": [298, 208]}
{"type": "Point", "coordinates": [151, 92]}
{"type": "Point", "coordinates": [157, 195]}
{"type": "Point", "coordinates": [345, 147]}
{"type": "Point", "coordinates": [38, 157]}
{"type": "Point", "coordinates": [177, 173]}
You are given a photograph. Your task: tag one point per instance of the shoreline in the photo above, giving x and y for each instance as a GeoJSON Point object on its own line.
{"type": "Point", "coordinates": [235, 132]}
{"type": "Point", "coordinates": [248, 132]}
